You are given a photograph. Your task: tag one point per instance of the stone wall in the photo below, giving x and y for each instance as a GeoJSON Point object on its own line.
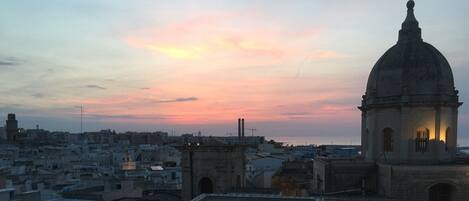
{"type": "Point", "coordinates": [223, 165]}
{"type": "Point", "coordinates": [413, 183]}
{"type": "Point", "coordinates": [405, 121]}
{"type": "Point", "coordinates": [335, 175]}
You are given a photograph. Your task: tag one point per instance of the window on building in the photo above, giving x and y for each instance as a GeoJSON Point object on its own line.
{"type": "Point", "coordinates": [421, 141]}
{"type": "Point", "coordinates": [388, 140]}
{"type": "Point", "coordinates": [447, 138]}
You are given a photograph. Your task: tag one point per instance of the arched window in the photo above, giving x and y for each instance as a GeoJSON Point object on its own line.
{"type": "Point", "coordinates": [421, 141]}
{"type": "Point", "coordinates": [441, 192]}
{"type": "Point", "coordinates": [205, 186]}
{"type": "Point", "coordinates": [447, 137]}
{"type": "Point", "coordinates": [388, 140]}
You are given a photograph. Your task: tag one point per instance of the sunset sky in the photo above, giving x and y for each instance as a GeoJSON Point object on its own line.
{"type": "Point", "coordinates": [293, 69]}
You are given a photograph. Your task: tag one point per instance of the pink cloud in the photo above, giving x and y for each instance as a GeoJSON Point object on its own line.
{"type": "Point", "coordinates": [220, 100]}
{"type": "Point", "coordinates": [213, 37]}
{"type": "Point", "coordinates": [226, 70]}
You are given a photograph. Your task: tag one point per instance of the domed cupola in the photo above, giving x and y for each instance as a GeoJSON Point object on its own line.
{"type": "Point", "coordinates": [411, 71]}
{"type": "Point", "coordinates": [410, 109]}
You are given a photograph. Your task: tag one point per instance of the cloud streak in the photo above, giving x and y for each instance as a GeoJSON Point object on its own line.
{"type": "Point", "coordinates": [296, 114]}
{"type": "Point", "coordinates": [177, 100]}
{"type": "Point", "coordinates": [7, 63]}
{"type": "Point", "coordinates": [38, 95]}
{"type": "Point", "coordinates": [94, 86]}
{"type": "Point", "coordinates": [10, 61]}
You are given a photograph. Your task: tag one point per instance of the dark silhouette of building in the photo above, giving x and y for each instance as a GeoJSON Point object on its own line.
{"type": "Point", "coordinates": [294, 178]}
{"type": "Point", "coordinates": [11, 128]}
{"type": "Point", "coordinates": [211, 166]}
{"type": "Point", "coordinates": [409, 128]}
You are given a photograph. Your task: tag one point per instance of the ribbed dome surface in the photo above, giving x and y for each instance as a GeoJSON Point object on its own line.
{"type": "Point", "coordinates": [411, 69]}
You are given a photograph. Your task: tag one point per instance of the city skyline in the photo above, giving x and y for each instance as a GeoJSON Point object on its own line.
{"type": "Point", "coordinates": [296, 69]}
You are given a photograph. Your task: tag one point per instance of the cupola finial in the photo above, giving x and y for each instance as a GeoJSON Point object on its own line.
{"type": "Point", "coordinates": [410, 4]}
{"type": "Point", "coordinates": [410, 27]}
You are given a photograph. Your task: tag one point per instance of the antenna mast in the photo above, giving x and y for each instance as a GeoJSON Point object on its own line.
{"type": "Point", "coordinates": [81, 119]}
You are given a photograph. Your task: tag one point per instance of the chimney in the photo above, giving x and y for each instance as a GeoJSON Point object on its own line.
{"type": "Point", "coordinates": [242, 128]}
{"type": "Point", "coordinates": [239, 128]}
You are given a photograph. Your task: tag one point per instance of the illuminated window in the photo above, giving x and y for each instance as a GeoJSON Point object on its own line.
{"type": "Point", "coordinates": [388, 141]}
{"type": "Point", "coordinates": [421, 142]}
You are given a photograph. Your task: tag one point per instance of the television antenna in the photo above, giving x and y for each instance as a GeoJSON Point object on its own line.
{"type": "Point", "coordinates": [81, 117]}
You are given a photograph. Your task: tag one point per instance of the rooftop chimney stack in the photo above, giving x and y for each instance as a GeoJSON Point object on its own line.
{"type": "Point", "coordinates": [242, 127]}
{"type": "Point", "coordinates": [239, 128]}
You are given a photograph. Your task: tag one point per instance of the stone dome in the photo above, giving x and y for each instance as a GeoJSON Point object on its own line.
{"type": "Point", "coordinates": [411, 69]}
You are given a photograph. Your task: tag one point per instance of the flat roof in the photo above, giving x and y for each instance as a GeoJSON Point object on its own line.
{"type": "Point", "coordinates": [249, 197]}
{"type": "Point", "coordinates": [6, 189]}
